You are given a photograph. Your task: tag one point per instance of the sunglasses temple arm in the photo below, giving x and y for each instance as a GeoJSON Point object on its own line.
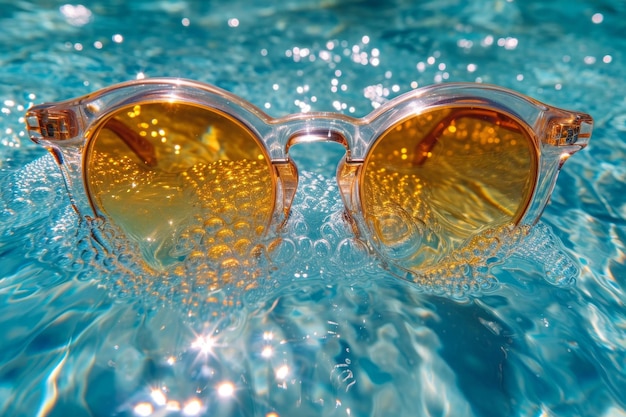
{"type": "Point", "coordinates": [140, 146]}
{"type": "Point", "coordinates": [423, 149]}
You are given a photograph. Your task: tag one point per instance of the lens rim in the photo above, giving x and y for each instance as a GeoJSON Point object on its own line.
{"type": "Point", "coordinates": [526, 199]}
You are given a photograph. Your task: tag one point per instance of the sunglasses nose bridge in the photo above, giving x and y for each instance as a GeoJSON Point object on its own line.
{"type": "Point", "coordinates": [317, 135]}
{"type": "Point", "coordinates": [347, 170]}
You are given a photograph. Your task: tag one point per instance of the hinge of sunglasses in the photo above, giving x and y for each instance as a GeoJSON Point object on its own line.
{"type": "Point", "coordinates": [567, 134]}
{"type": "Point", "coordinates": [51, 125]}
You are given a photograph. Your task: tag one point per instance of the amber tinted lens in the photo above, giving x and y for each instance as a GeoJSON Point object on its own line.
{"type": "Point", "coordinates": [439, 178]}
{"type": "Point", "coordinates": [164, 172]}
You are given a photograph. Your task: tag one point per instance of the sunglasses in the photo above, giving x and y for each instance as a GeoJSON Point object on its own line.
{"type": "Point", "coordinates": [424, 175]}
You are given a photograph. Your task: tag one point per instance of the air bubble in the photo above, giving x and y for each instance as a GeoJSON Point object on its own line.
{"type": "Point", "coordinates": [282, 251]}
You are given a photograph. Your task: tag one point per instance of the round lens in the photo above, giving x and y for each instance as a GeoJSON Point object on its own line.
{"type": "Point", "coordinates": [439, 178]}
{"type": "Point", "coordinates": [175, 177]}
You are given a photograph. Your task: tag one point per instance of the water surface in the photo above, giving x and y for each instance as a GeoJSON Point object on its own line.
{"type": "Point", "coordinates": [328, 331]}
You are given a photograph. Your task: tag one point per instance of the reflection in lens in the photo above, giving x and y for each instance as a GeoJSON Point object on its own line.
{"type": "Point", "coordinates": [177, 177]}
{"type": "Point", "coordinates": [455, 172]}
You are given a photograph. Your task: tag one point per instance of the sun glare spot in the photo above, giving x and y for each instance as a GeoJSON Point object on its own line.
{"type": "Point", "coordinates": [203, 344]}
{"type": "Point", "coordinates": [226, 389]}
{"type": "Point", "coordinates": [192, 408]}
{"type": "Point", "coordinates": [267, 352]}
{"type": "Point", "coordinates": [158, 397]}
{"type": "Point", "coordinates": [282, 372]}
{"type": "Point", "coordinates": [143, 409]}
{"type": "Point", "coordinates": [597, 18]}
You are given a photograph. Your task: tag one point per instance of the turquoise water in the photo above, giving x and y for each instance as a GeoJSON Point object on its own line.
{"type": "Point", "coordinates": [328, 331]}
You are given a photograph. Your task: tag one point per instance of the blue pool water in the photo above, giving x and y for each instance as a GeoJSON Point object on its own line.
{"type": "Point", "coordinates": [327, 332]}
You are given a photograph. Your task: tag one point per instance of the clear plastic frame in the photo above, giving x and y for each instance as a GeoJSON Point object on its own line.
{"type": "Point", "coordinates": [423, 175]}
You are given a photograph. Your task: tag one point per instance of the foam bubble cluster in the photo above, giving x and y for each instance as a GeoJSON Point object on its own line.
{"type": "Point", "coordinates": [317, 243]}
